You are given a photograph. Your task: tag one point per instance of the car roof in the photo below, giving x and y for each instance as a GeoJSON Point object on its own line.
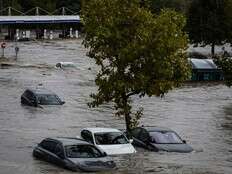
{"type": "Point", "coordinates": [155, 128]}
{"type": "Point", "coordinates": [69, 141]}
{"type": "Point", "coordinates": [101, 129]}
{"type": "Point", "coordinates": [41, 91]}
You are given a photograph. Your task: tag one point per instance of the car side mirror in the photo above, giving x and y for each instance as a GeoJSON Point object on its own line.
{"type": "Point", "coordinates": [104, 154]}
{"type": "Point", "coordinates": [61, 155]}
{"type": "Point", "coordinates": [184, 141]}
{"type": "Point", "coordinates": [34, 102]}
{"type": "Point", "coordinates": [131, 140]}
{"type": "Point", "coordinates": [146, 139]}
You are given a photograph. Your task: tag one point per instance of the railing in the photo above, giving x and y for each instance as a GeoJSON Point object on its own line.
{"type": "Point", "coordinates": [38, 15]}
{"type": "Point", "coordinates": [37, 11]}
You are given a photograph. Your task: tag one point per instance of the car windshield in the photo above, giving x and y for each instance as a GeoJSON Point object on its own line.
{"type": "Point", "coordinates": [106, 138]}
{"type": "Point", "coordinates": [48, 99]}
{"type": "Point", "coordinates": [165, 137]}
{"type": "Point", "coordinates": [82, 151]}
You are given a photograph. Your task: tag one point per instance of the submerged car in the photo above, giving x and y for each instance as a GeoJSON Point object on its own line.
{"type": "Point", "coordinates": [65, 65]}
{"type": "Point", "coordinates": [111, 141]}
{"type": "Point", "coordinates": [74, 154]}
{"type": "Point", "coordinates": [159, 139]}
{"type": "Point", "coordinates": [40, 96]}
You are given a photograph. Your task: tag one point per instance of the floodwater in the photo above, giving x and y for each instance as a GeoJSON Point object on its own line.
{"type": "Point", "coordinates": [201, 114]}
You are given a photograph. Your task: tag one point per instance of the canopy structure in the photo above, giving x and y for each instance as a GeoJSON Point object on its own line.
{"type": "Point", "coordinates": [203, 64]}
{"type": "Point", "coordinates": [205, 70]}
{"type": "Point", "coordinates": [57, 19]}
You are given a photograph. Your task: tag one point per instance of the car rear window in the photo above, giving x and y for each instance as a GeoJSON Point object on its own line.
{"type": "Point", "coordinates": [107, 138]}
{"type": "Point", "coordinates": [48, 99]}
{"type": "Point", "coordinates": [164, 137]}
{"type": "Point", "coordinates": [82, 151]}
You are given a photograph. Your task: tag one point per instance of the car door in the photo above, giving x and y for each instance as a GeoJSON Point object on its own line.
{"type": "Point", "coordinates": [32, 99]}
{"type": "Point", "coordinates": [43, 150]}
{"type": "Point", "coordinates": [136, 137]}
{"type": "Point", "coordinates": [29, 98]}
{"type": "Point", "coordinates": [53, 158]}
{"type": "Point", "coordinates": [49, 150]}
{"type": "Point", "coordinates": [59, 155]}
{"type": "Point", "coordinates": [144, 138]}
{"type": "Point", "coordinates": [87, 136]}
{"type": "Point", "coordinates": [25, 99]}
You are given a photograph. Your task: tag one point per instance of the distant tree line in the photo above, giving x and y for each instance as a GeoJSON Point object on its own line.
{"type": "Point", "coordinates": [48, 5]}
{"type": "Point", "coordinates": [209, 22]}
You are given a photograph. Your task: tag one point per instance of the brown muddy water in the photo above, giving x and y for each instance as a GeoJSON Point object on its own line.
{"type": "Point", "coordinates": [201, 114]}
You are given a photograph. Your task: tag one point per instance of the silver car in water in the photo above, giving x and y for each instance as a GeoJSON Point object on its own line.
{"type": "Point", "coordinates": [74, 154]}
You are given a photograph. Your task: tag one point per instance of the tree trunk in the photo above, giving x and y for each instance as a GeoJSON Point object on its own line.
{"type": "Point", "coordinates": [127, 113]}
{"type": "Point", "coordinates": [128, 121]}
{"type": "Point", "coordinates": [213, 49]}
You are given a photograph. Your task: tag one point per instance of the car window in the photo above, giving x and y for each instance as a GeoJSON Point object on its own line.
{"type": "Point", "coordinates": [48, 99]}
{"type": "Point", "coordinates": [106, 138]}
{"type": "Point", "coordinates": [135, 132]}
{"type": "Point", "coordinates": [143, 135]}
{"type": "Point", "coordinates": [29, 95]}
{"type": "Point", "coordinates": [59, 150]}
{"type": "Point", "coordinates": [49, 145]}
{"type": "Point", "coordinates": [165, 137]}
{"type": "Point", "coordinates": [82, 151]}
{"type": "Point", "coordinates": [87, 136]}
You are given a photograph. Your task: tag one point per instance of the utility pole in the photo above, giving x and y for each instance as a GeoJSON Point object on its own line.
{"type": "Point", "coordinates": [37, 28]}
{"type": "Point", "coordinates": [37, 11]}
{"type": "Point", "coordinates": [9, 11]}
{"type": "Point", "coordinates": [63, 11]}
{"type": "Point", "coordinates": [1, 7]}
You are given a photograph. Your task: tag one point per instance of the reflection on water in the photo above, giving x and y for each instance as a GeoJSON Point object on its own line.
{"type": "Point", "coordinates": [201, 114]}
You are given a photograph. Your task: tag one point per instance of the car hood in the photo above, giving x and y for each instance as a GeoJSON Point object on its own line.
{"type": "Point", "coordinates": [115, 149]}
{"type": "Point", "coordinates": [184, 148]}
{"type": "Point", "coordinates": [93, 164]}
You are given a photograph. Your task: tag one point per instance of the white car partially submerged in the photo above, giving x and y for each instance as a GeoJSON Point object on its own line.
{"type": "Point", "coordinates": [65, 65]}
{"type": "Point", "coordinates": [112, 141]}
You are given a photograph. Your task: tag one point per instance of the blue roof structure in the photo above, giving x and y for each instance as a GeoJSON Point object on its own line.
{"type": "Point", "coordinates": [58, 19]}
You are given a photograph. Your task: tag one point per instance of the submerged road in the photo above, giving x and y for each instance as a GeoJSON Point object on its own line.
{"type": "Point", "coordinates": [201, 114]}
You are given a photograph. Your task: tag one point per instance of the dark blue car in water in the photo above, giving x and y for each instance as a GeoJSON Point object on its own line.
{"type": "Point", "coordinates": [159, 139]}
{"type": "Point", "coordinates": [40, 96]}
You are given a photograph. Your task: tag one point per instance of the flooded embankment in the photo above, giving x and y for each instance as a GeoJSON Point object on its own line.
{"type": "Point", "coordinates": [201, 114]}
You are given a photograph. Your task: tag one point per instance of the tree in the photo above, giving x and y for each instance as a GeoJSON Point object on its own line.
{"type": "Point", "coordinates": [139, 53]}
{"type": "Point", "coordinates": [11, 3]}
{"type": "Point", "coordinates": [15, 4]}
{"type": "Point", "coordinates": [225, 63]}
{"type": "Point", "coordinates": [178, 5]}
{"type": "Point", "coordinates": [48, 5]}
{"type": "Point", "coordinates": [210, 22]}
{"type": "Point", "coordinates": [71, 4]}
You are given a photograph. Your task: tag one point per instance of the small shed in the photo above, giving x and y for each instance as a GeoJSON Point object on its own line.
{"type": "Point", "coordinates": [205, 70]}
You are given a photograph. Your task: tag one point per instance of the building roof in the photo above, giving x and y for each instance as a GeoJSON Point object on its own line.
{"type": "Point", "coordinates": [39, 19]}
{"type": "Point", "coordinates": [202, 63]}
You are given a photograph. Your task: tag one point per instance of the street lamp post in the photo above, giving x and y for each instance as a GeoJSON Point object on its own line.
{"type": "Point", "coordinates": [1, 7]}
